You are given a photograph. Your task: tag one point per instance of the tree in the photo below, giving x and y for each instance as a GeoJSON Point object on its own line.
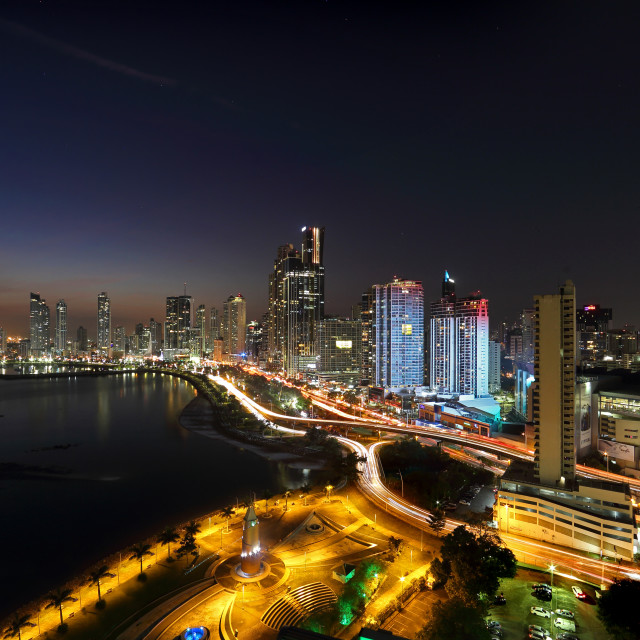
{"type": "Point", "coordinates": [57, 599]}
{"type": "Point", "coordinates": [473, 565]}
{"type": "Point", "coordinates": [395, 546]}
{"type": "Point", "coordinates": [454, 620]}
{"type": "Point", "coordinates": [227, 512]}
{"type": "Point", "coordinates": [616, 609]}
{"type": "Point", "coordinates": [139, 551]}
{"type": "Point", "coordinates": [192, 528]}
{"type": "Point", "coordinates": [305, 488]}
{"type": "Point", "coordinates": [16, 624]}
{"type": "Point", "coordinates": [97, 575]}
{"type": "Point", "coordinates": [167, 536]}
{"type": "Point", "coordinates": [438, 521]}
{"type": "Point", "coordinates": [188, 546]}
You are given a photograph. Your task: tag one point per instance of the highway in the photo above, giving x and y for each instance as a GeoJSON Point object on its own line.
{"type": "Point", "coordinates": [534, 552]}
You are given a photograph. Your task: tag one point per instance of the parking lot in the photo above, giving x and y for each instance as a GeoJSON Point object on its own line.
{"type": "Point", "coordinates": [515, 616]}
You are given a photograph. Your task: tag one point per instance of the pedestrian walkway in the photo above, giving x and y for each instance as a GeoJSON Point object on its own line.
{"type": "Point", "coordinates": [298, 604]}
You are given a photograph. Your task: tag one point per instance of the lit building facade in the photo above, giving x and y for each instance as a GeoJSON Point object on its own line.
{"type": "Point", "coordinates": [234, 326]}
{"type": "Point", "coordinates": [339, 349]}
{"type": "Point", "coordinates": [592, 324]}
{"type": "Point", "coordinates": [103, 343]}
{"type": "Point", "coordinates": [60, 342]}
{"type": "Point", "coordinates": [39, 319]}
{"type": "Point", "coordinates": [494, 366]}
{"type": "Point", "coordinates": [398, 334]}
{"type": "Point", "coordinates": [459, 343]}
{"type": "Point", "coordinates": [177, 326]}
{"type": "Point", "coordinates": [296, 304]}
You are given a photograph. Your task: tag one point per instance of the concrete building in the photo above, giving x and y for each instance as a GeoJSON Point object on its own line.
{"type": "Point", "coordinates": [398, 334]}
{"type": "Point", "coordinates": [546, 500]}
{"type": "Point", "coordinates": [60, 342]}
{"type": "Point", "coordinates": [592, 325]}
{"type": "Point", "coordinates": [339, 350]}
{"type": "Point", "coordinates": [495, 354]}
{"type": "Point", "coordinates": [103, 343]}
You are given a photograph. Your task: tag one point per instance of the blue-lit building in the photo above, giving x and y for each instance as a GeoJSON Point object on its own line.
{"type": "Point", "coordinates": [398, 334]}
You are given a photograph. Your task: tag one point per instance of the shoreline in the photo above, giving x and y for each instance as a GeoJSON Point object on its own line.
{"type": "Point", "coordinates": [198, 418]}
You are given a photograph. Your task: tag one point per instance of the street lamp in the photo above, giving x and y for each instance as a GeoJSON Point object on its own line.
{"type": "Point", "coordinates": [552, 568]}
{"type": "Point", "coordinates": [506, 510]}
{"type": "Point", "coordinates": [401, 591]}
{"type": "Point", "coordinates": [606, 457]}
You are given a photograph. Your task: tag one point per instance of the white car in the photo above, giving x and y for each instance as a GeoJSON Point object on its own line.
{"type": "Point", "coordinates": [565, 613]}
{"type": "Point", "coordinates": [578, 592]}
{"type": "Point", "coordinates": [540, 611]}
{"type": "Point", "coordinates": [538, 635]}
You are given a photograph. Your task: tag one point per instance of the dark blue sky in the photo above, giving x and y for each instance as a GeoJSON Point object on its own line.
{"type": "Point", "coordinates": [145, 145]}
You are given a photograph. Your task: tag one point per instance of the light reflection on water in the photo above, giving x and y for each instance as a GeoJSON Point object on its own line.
{"type": "Point", "coordinates": [118, 467]}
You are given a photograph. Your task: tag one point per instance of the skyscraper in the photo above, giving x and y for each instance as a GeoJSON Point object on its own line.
{"type": "Point", "coordinates": [61, 327]}
{"type": "Point", "coordinates": [554, 386]}
{"type": "Point", "coordinates": [494, 366]}
{"type": "Point", "coordinates": [592, 324]}
{"type": "Point", "coordinates": [200, 331]}
{"type": "Point", "coordinates": [38, 326]}
{"type": "Point", "coordinates": [104, 323]}
{"type": "Point", "coordinates": [155, 331]}
{"type": "Point", "coordinates": [296, 303]}
{"type": "Point", "coordinates": [339, 349]}
{"type": "Point", "coordinates": [366, 311]}
{"type": "Point", "coordinates": [398, 334]}
{"type": "Point", "coordinates": [234, 326]}
{"type": "Point", "coordinates": [82, 339]}
{"type": "Point", "coordinates": [177, 326]}
{"type": "Point", "coordinates": [459, 349]}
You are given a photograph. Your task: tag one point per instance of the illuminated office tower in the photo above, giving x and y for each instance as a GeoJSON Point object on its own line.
{"type": "Point", "coordinates": [554, 386]}
{"type": "Point", "coordinates": [296, 304]}
{"type": "Point", "coordinates": [177, 326]}
{"type": "Point", "coordinates": [214, 329]}
{"type": "Point", "coordinates": [61, 327]}
{"type": "Point", "coordinates": [38, 326]}
{"type": "Point", "coordinates": [494, 366]}
{"type": "Point", "coordinates": [366, 311]}
{"type": "Point", "coordinates": [198, 340]}
{"type": "Point", "coordinates": [528, 333]}
{"type": "Point", "coordinates": [398, 334]}
{"type": "Point", "coordinates": [459, 343]}
{"type": "Point", "coordinates": [339, 350]}
{"type": "Point", "coordinates": [2, 347]}
{"type": "Point", "coordinates": [120, 341]}
{"type": "Point", "coordinates": [104, 323]}
{"type": "Point", "coordinates": [442, 338]}
{"type": "Point", "coordinates": [234, 326]}
{"type": "Point", "coordinates": [592, 326]}
{"type": "Point", "coordinates": [83, 343]}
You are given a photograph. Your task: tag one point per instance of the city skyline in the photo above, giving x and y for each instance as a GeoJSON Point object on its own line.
{"type": "Point", "coordinates": [423, 139]}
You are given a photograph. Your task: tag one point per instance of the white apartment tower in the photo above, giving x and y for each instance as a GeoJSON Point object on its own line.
{"type": "Point", "coordinates": [61, 327]}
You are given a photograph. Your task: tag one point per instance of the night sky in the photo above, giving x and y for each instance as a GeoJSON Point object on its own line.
{"type": "Point", "coordinates": [145, 145]}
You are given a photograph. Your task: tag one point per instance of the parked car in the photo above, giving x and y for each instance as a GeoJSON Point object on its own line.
{"type": "Point", "coordinates": [494, 625]}
{"type": "Point", "coordinates": [578, 592]}
{"type": "Point", "coordinates": [538, 628]}
{"type": "Point", "coordinates": [565, 624]}
{"type": "Point", "coordinates": [538, 635]}
{"type": "Point", "coordinates": [542, 585]}
{"type": "Point", "coordinates": [540, 611]}
{"type": "Point", "coordinates": [563, 635]}
{"type": "Point", "coordinates": [543, 594]}
{"type": "Point", "coordinates": [565, 613]}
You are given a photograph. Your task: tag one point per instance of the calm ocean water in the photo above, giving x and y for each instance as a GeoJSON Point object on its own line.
{"type": "Point", "coordinates": [92, 465]}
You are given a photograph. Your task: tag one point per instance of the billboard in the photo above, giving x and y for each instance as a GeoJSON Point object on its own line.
{"type": "Point", "coordinates": [617, 450]}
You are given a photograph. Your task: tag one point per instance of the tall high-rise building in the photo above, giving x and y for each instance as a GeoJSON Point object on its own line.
{"type": "Point", "coordinates": [2, 343]}
{"type": "Point", "coordinates": [366, 311]}
{"type": "Point", "coordinates": [296, 303]}
{"type": "Point", "coordinates": [200, 331]}
{"type": "Point", "coordinates": [592, 325]}
{"type": "Point", "coordinates": [83, 343]}
{"type": "Point", "coordinates": [120, 340]}
{"type": "Point", "coordinates": [61, 327]}
{"type": "Point", "coordinates": [554, 386]}
{"type": "Point", "coordinates": [177, 326]}
{"type": "Point", "coordinates": [104, 323]}
{"type": "Point", "coordinates": [528, 334]}
{"type": "Point", "coordinates": [39, 317]}
{"type": "Point", "coordinates": [155, 333]}
{"type": "Point", "coordinates": [494, 366]}
{"type": "Point", "coordinates": [459, 347]}
{"type": "Point", "coordinates": [234, 326]}
{"type": "Point", "coordinates": [398, 334]}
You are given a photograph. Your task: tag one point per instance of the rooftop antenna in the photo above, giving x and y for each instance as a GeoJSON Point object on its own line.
{"type": "Point", "coordinates": [185, 289]}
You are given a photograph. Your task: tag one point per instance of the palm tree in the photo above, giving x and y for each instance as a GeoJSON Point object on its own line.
{"type": "Point", "coordinates": [227, 512]}
{"type": "Point", "coordinates": [99, 574]}
{"type": "Point", "coordinates": [58, 598]}
{"type": "Point", "coordinates": [139, 551]}
{"type": "Point", "coordinates": [286, 495]}
{"type": "Point", "coordinates": [305, 488]}
{"type": "Point", "coordinates": [267, 495]}
{"type": "Point", "coordinates": [16, 625]}
{"type": "Point", "coordinates": [167, 536]}
{"type": "Point", "coordinates": [192, 528]}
